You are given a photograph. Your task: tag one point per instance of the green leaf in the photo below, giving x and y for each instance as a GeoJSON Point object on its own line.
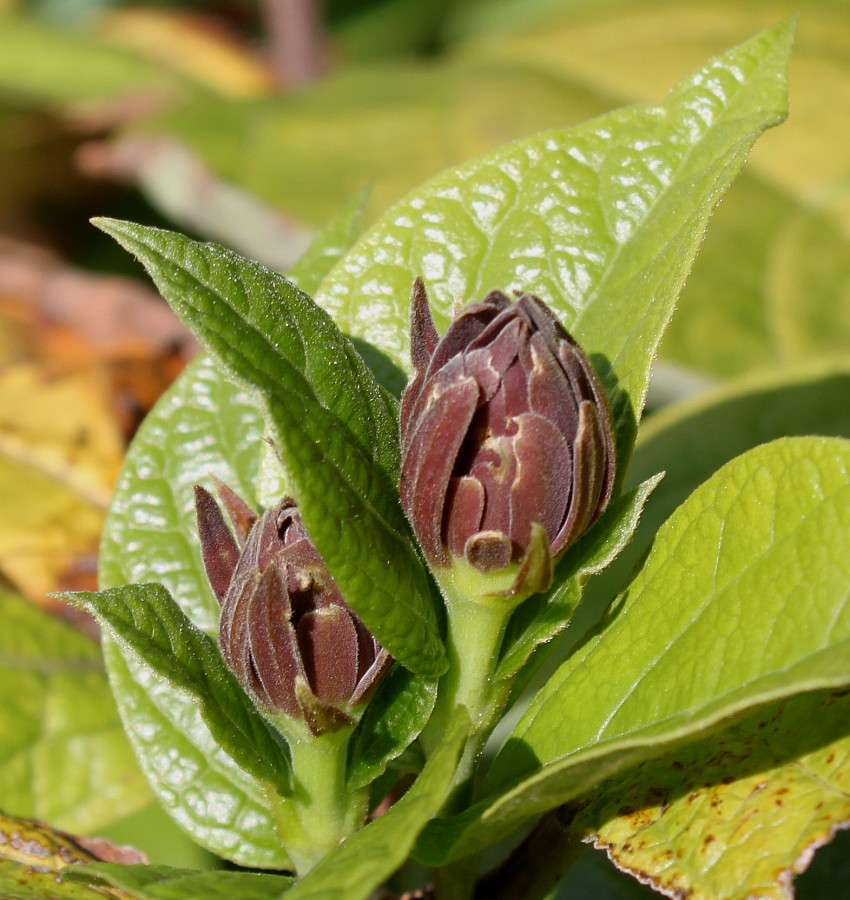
{"type": "Point", "coordinates": [395, 716]}
{"type": "Point", "coordinates": [335, 429]}
{"type": "Point", "coordinates": [689, 441]}
{"type": "Point", "coordinates": [540, 618]}
{"type": "Point", "coordinates": [330, 244]}
{"type": "Point", "coordinates": [204, 426]}
{"type": "Point", "coordinates": [736, 815]}
{"type": "Point", "coordinates": [371, 855]}
{"type": "Point", "coordinates": [166, 883]}
{"type": "Point", "coordinates": [602, 221]}
{"type": "Point", "coordinates": [742, 601]}
{"type": "Point", "coordinates": [145, 620]}
{"type": "Point", "coordinates": [200, 786]}
{"type": "Point", "coordinates": [55, 704]}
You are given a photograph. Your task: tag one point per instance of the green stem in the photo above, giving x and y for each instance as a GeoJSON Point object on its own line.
{"type": "Point", "coordinates": [475, 631]}
{"type": "Point", "coordinates": [322, 811]}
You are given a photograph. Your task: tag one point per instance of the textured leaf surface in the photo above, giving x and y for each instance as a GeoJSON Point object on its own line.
{"type": "Point", "coordinates": [742, 600]}
{"type": "Point", "coordinates": [145, 619]}
{"type": "Point", "coordinates": [393, 719]}
{"type": "Point", "coordinates": [539, 619]}
{"type": "Point", "coordinates": [204, 426]}
{"type": "Point", "coordinates": [689, 441]}
{"type": "Point", "coordinates": [739, 814]}
{"type": "Point", "coordinates": [165, 883]}
{"type": "Point", "coordinates": [56, 705]}
{"type": "Point", "coordinates": [201, 787]}
{"type": "Point", "coordinates": [371, 855]}
{"type": "Point", "coordinates": [601, 221]}
{"type": "Point", "coordinates": [757, 288]}
{"type": "Point", "coordinates": [334, 427]}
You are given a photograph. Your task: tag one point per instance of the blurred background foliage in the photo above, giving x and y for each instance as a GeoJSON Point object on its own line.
{"type": "Point", "coordinates": [252, 124]}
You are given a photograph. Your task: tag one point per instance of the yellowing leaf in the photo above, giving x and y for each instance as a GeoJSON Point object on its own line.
{"type": "Point", "coordinates": [59, 454]}
{"type": "Point", "coordinates": [192, 44]}
{"type": "Point", "coordinates": [736, 815]}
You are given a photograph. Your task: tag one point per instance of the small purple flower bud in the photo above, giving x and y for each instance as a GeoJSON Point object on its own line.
{"type": "Point", "coordinates": [285, 632]}
{"type": "Point", "coordinates": [507, 441]}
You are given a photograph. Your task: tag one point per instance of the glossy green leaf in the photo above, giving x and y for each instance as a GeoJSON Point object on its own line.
{"type": "Point", "coordinates": [145, 620]}
{"type": "Point", "coordinates": [56, 705]}
{"type": "Point", "coordinates": [395, 716]}
{"type": "Point", "coordinates": [629, 51]}
{"type": "Point", "coordinates": [689, 441]}
{"type": "Point", "coordinates": [369, 857]}
{"type": "Point", "coordinates": [209, 796]}
{"type": "Point", "coordinates": [737, 815]}
{"type": "Point", "coordinates": [203, 426]}
{"type": "Point", "coordinates": [742, 601]}
{"type": "Point", "coordinates": [165, 883]}
{"type": "Point", "coordinates": [540, 618]}
{"type": "Point", "coordinates": [601, 221]}
{"type": "Point", "coordinates": [335, 429]}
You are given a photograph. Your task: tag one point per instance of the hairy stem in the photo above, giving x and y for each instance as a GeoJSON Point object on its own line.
{"type": "Point", "coordinates": [321, 812]}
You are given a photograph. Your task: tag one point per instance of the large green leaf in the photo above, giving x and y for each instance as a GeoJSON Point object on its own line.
{"type": "Point", "coordinates": [334, 427]}
{"type": "Point", "coordinates": [602, 221]}
{"type": "Point", "coordinates": [203, 426]}
{"type": "Point", "coordinates": [689, 441]}
{"type": "Point", "coordinates": [368, 858]}
{"type": "Point", "coordinates": [145, 620]}
{"type": "Point", "coordinates": [540, 618]}
{"type": "Point", "coordinates": [56, 705]}
{"type": "Point", "coordinates": [742, 600]}
{"type": "Point", "coordinates": [736, 815]}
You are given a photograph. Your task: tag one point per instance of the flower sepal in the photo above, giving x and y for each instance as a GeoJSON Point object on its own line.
{"type": "Point", "coordinates": [507, 586]}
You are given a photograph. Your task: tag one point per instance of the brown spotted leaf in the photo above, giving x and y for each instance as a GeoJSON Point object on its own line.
{"type": "Point", "coordinates": [738, 814]}
{"type": "Point", "coordinates": [33, 857]}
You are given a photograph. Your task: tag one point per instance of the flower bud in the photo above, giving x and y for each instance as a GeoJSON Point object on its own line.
{"type": "Point", "coordinates": [285, 631]}
{"type": "Point", "coordinates": [507, 441]}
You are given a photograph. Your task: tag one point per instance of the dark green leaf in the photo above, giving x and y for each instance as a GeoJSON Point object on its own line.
{"type": "Point", "coordinates": [335, 428]}
{"type": "Point", "coordinates": [145, 619]}
{"type": "Point", "coordinates": [394, 718]}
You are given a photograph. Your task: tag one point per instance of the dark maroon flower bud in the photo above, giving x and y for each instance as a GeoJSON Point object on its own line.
{"type": "Point", "coordinates": [506, 435]}
{"type": "Point", "coordinates": [286, 633]}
